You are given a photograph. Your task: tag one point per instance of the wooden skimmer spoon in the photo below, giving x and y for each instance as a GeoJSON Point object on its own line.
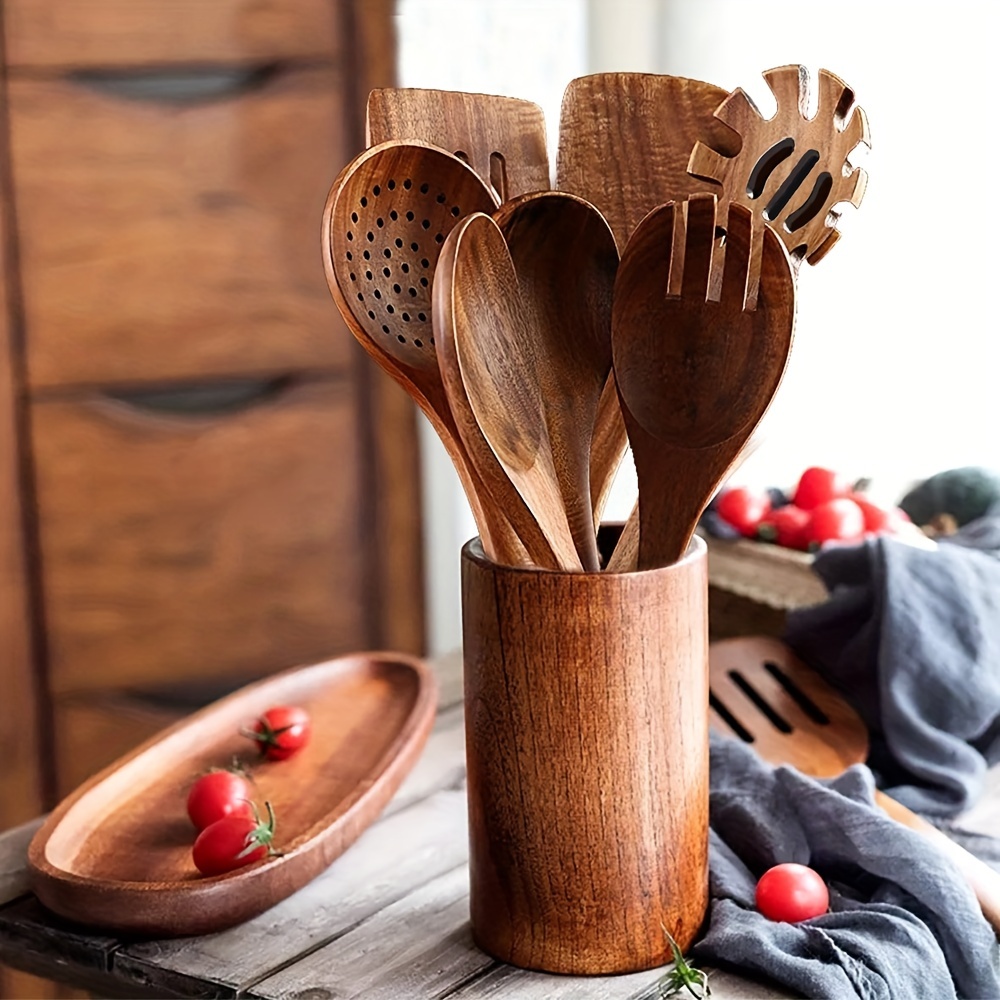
{"type": "Point", "coordinates": [696, 369]}
{"type": "Point", "coordinates": [765, 695]}
{"type": "Point", "coordinates": [385, 220]}
{"type": "Point", "coordinates": [501, 138]}
{"type": "Point", "coordinates": [491, 355]}
{"type": "Point", "coordinates": [565, 259]}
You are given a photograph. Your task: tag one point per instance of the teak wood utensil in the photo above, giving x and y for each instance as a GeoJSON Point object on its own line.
{"type": "Point", "coordinates": [626, 551]}
{"type": "Point", "coordinates": [791, 171]}
{"type": "Point", "coordinates": [587, 747]}
{"type": "Point", "coordinates": [117, 852]}
{"type": "Point", "coordinates": [385, 220]}
{"type": "Point", "coordinates": [565, 259]}
{"type": "Point", "coordinates": [491, 359]}
{"type": "Point", "coordinates": [501, 138]}
{"type": "Point", "coordinates": [696, 368]}
{"type": "Point", "coordinates": [765, 695]}
{"type": "Point", "coordinates": [624, 142]}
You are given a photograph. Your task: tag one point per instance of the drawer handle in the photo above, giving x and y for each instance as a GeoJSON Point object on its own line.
{"type": "Point", "coordinates": [202, 400]}
{"type": "Point", "coordinates": [178, 86]}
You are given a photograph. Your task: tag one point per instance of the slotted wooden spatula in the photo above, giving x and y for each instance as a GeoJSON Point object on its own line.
{"type": "Point", "coordinates": [791, 171]}
{"type": "Point", "coordinates": [501, 138]}
{"type": "Point", "coordinates": [763, 694]}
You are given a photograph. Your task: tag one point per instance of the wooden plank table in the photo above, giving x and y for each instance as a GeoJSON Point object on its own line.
{"type": "Point", "coordinates": [389, 918]}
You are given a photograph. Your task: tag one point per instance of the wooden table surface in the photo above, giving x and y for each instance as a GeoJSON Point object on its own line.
{"type": "Point", "coordinates": [389, 919]}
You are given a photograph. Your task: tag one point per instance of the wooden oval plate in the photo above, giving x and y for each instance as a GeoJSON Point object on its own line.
{"type": "Point", "coordinates": [116, 853]}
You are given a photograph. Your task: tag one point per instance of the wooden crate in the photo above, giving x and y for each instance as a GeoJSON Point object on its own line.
{"type": "Point", "coordinates": [751, 586]}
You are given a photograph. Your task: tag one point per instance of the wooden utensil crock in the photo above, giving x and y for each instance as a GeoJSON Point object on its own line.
{"type": "Point", "coordinates": [587, 746]}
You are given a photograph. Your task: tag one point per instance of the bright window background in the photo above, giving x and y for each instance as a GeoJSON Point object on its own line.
{"type": "Point", "coordinates": [894, 369]}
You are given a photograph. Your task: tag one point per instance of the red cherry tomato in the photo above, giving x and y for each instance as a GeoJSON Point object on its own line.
{"type": "Point", "coordinates": [880, 520]}
{"type": "Point", "coordinates": [787, 526]}
{"type": "Point", "coordinates": [817, 485]}
{"type": "Point", "coordinates": [791, 893]}
{"type": "Point", "coordinates": [233, 842]}
{"type": "Point", "coordinates": [836, 520]}
{"type": "Point", "coordinates": [743, 508]}
{"type": "Point", "coordinates": [281, 731]}
{"type": "Point", "coordinates": [219, 794]}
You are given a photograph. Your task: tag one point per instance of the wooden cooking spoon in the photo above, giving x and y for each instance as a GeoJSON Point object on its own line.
{"type": "Point", "coordinates": [696, 369]}
{"type": "Point", "coordinates": [565, 259]}
{"type": "Point", "coordinates": [501, 138]}
{"type": "Point", "coordinates": [624, 142]}
{"type": "Point", "coordinates": [385, 220]}
{"type": "Point", "coordinates": [492, 356]}
{"type": "Point", "coordinates": [762, 693]}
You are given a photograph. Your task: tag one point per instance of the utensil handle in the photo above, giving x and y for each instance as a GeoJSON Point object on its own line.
{"type": "Point", "coordinates": [983, 880]}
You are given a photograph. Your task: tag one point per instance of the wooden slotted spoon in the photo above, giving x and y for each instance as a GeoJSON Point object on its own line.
{"type": "Point", "coordinates": [696, 368]}
{"type": "Point", "coordinates": [624, 141]}
{"type": "Point", "coordinates": [565, 259]}
{"type": "Point", "coordinates": [385, 221]}
{"type": "Point", "coordinates": [501, 138]}
{"type": "Point", "coordinates": [764, 695]}
{"type": "Point", "coordinates": [492, 356]}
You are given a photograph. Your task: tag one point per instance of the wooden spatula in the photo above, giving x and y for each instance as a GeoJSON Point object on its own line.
{"type": "Point", "coordinates": [791, 171]}
{"type": "Point", "coordinates": [624, 141]}
{"type": "Point", "coordinates": [501, 138]}
{"type": "Point", "coordinates": [764, 695]}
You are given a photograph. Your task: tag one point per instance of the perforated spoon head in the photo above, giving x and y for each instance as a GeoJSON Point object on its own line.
{"type": "Point", "coordinates": [696, 365]}
{"type": "Point", "coordinates": [386, 219]}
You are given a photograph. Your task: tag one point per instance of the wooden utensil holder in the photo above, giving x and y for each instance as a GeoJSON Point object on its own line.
{"type": "Point", "coordinates": [586, 705]}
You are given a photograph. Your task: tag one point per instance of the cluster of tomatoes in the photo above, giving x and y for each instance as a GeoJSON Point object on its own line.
{"type": "Point", "coordinates": [220, 803]}
{"type": "Point", "coordinates": [824, 506]}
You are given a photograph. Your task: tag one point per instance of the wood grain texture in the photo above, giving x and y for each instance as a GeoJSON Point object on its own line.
{"type": "Point", "coordinates": [565, 259]}
{"type": "Point", "coordinates": [162, 242]}
{"type": "Point", "coordinates": [117, 852]}
{"type": "Point", "coordinates": [490, 360]}
{"type": "Point", "coordinates": [390, 957]}
{"type": "Point", "coordinates": [56, 34]}
{"type": "Point", "coordinates": [771, 671]}
{"type": "Point", "coordinates": [501, 138]}
{"type": "Point", "coordinates": [20, 746]}
{"type": "Point", "coordinates": [696, 365]}
{"type": "Point", "coordinates": [386, 218]}
{"type": "Point", "coordinates": [587, 753]}
{"type": "Point", "coordinates": [624, 140]}
{"type": "Point", "coordinates": [791, 171]}
{"type": "Point", "coordinates": [173, 547]}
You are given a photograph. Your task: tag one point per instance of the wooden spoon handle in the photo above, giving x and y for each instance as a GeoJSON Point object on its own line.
{"type": "Point", "coordinates": [982, 879]}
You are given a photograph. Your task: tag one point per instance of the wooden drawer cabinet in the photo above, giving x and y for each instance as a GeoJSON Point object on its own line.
{"type": "Point", "coordinates": [203, 479]}
{"type": "Point", "coordinates": [110, 725]}
{"type": "Point", "coordinates": [58, 33]}
{"type": "Point", "coordinates": [172, 545]}
{"type": "Point", "coordinates": [176, 239]}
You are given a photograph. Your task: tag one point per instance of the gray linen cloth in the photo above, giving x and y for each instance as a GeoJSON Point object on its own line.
{"type": "Point", "coordinates": [902, 923]}
{"type": "Point", "coordinates": [911, 638]}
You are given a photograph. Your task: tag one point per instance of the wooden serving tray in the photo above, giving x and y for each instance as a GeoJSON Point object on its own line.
{"type": "Point", "coordinates": [116, 853]}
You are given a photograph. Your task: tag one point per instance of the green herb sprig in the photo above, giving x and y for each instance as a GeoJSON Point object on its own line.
{"type": "Point", "coordinates": [683, 976]}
